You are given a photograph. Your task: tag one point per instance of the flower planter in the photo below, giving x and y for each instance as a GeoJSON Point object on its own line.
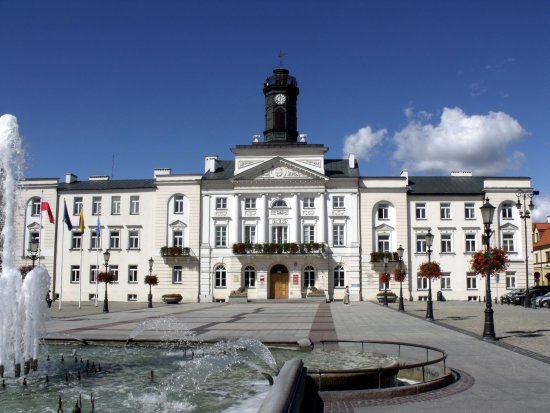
{"type": "Point", "coordinates": [238, 299]}
{"type": "Point", "coordinates": [172, 299]}
{"type": "Point", "coordinates": [319, 298]}
{"type": "Point", "coordinates": [391, 299]}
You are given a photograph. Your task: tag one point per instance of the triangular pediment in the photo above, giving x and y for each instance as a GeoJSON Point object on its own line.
{"type": "Point", "coordinates": [279, 169]}
{"type": "Point", "coordinates": [384, 228]}
{"type": "Point", "coordinates": [177, 225]}
{"type": "Point", "coordinates": [35, 226]}
{"type": "Point", "coordinates": [509, 226]}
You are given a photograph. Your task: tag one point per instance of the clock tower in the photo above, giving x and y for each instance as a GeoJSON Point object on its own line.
{"type": "Point", "coordinates": [281, 93]}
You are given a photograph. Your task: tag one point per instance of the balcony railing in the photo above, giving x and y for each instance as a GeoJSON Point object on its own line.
{"type": "Point", "coordinates": [241, 248]}
{"type": "Point", "coordinates": [378, 256]}
{"type": "Point", "coordinates": [175, 251]}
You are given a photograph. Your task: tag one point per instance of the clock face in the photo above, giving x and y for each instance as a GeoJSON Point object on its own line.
{"type": "Point", "coordinates": [280, 99]}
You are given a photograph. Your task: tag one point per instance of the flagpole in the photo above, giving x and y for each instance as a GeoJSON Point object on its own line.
{"type": "Point", "coordinates": [97, 271]}
{"type": "Point", "coordinates": [40, 229]}
{"type": "Point", "coordinates": [61, 271]}
{"type": "Point", "coordinates": [80, 275]}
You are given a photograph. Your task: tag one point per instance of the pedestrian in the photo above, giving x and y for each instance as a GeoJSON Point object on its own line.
{"type": "Point", "coordinates": [346, 296]}
{"type": "Point", "coordinates": [49, 299]}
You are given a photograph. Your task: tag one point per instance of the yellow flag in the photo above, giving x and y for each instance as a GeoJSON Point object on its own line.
{"type": "Point", "coordinates": [81, 223]}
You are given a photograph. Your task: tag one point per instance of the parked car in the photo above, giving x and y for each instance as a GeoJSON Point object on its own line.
{"type": "Point", "coordinates": [543, 300]}
{"type": "Point", "coordinates": [506, 298]}
{"type": "Point", "coordinates": [518, 298]}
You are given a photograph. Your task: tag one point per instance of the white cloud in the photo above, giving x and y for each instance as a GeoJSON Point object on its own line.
{"type": "Point", "coordinates": [363, 142]}
{"type": "Point", "coordinates": [542, 209]}
{"type": "Point", "coordinates": [460, 142]}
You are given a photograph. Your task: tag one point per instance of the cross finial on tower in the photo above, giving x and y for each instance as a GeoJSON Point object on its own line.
{"type": "Point", "coordinates": [281, 55]}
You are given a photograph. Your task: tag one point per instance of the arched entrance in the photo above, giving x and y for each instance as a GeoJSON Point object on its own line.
{"type": "Point", "coordinates": [278, 282]}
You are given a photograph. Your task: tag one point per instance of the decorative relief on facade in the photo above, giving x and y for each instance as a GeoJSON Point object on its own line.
{"type": "Point", "coordinates": [310, 162]}
{"type": "Point", "coordinates": [282, 172]}
{"type": "Point", "coordinates": [279, 212]}
{"type": "Point", "coordinates": [220, 214]}
{"type": "Point", "coordinates": [279, 221]}
{"type": "Point", "coordinates": [338, 212]}
{"type": "Point", "coordinates": [244, 164]}
{"type": "Point", "coordinates": [306, 213]}
{"type": "Point", "coordinates": [249, 213]}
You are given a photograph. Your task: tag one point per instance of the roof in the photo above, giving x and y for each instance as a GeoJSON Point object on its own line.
{"type": "Point", "coordinates": [544, 234]}
{"type": "Point", "coordinates": [446, 185]}
{"type": "Point", "coordinates": [101, 185]}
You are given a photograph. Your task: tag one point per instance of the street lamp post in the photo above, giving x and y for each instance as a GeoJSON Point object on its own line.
{"type": "Point", "coordinates": [33, 250]}
{"type": "Point", "coordinates": [106, 256]}
{"type": "Point", "coordinates": [150, 297]}
{"type": "Point", "coordinates": [525, 214]}
{"type": "Point", "coordinates": [386, 259]}
{"type": "Point", "coordinates": [400, 251]}
{"type": "Point", "coordinates": [429, 308]}
{"type": "Point", "coordinates": [487, 213]}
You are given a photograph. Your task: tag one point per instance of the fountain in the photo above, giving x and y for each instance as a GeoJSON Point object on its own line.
{"type": "Point", "coordinates": [22, 304]}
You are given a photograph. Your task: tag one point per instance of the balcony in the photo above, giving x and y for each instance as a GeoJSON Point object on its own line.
{"type": "Point", "coordinates": [286, 248]}
{"type": "Point", "coordinates": [378, 256]}
{"type": "Point", "coordinates": [175, 252]}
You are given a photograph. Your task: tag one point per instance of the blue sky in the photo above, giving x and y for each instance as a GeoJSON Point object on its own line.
{"type": "Point", "coordinates": [425, 85]}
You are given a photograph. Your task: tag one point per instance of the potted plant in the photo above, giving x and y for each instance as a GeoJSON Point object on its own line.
{"type": "Point", "coordinates": [239, 295]}
{"type": "Point", "coordinates": [172, 298]}
{"type": "Point", "coordinates": [151, 280]}
{"type": "Point", "coordinates": [430, 270]}
{"type": "Point", "coordinates": [316, 294]}
{"type": "Point", "coordinates": [391, 296]}
{"type": "Point", "coordinates": [489, 262]}
{"type": "Point", "coordinates": [384, 278]}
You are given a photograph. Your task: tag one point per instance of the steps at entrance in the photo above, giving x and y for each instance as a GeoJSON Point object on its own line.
{"type": "Point", "coordinates": [283, 301]}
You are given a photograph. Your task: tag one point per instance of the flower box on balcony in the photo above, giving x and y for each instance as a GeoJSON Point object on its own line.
{"type": "Point", "coordinates": [378, 256]}
{"type": "Point", "coordinates": [241, 248]}
{"type": "Point", "coordinates": [175, 251]}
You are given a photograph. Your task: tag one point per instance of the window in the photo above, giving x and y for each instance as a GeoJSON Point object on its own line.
{"type": "Point", "coordinates": [134, 205]}
{"type": "Point", "coordinates": [445, 280]}
{"type": "Point", "coordinates": [221, 235]}
{"type": "Point", "coordinates": [309, 277]}
{"type": "Point", "coordinates": [95, 241]}
{"type": "Point", "coordinates": [507, 211]}
{"type": "Point", "coordinates": [445, 211]}
{"type": "Point", "coordinates": [383, 242]}
{"type": "Point", "coordinates": [132, 274]}
{"type": "Point", "coordinates": [471, 243]}
{"type": "Point", "coordinates": [114, 240]}
{"type": "Point", "coordinates": [469, 211]}
{"type": "Point", "coordinates": [96, 205]}
{"type": "Point", "coordinates": [34, 236]}
{"type": "Point", "coordinates": [421, 243]}
{"type": "Point", "coordinates": [338, 202]}
{"type": "Point", "coordinates": [309, 202]}
{"type": "Point", "coordinates": [77, 205]}
{"type": "Point", "coordinates": [420, 211]}
{"type": "Point", "coordinates": [115, 205]}
{"type": "Point", "coordinates": [75, 273]}
{"type": "Point", "coordinates": [113, 269]}
{"type": "Point", "coordinates": [338, 235]}
{"type": "Point", "coordinates": [381, 285]}
{"type": "Point", "coordinates": [446, 243]}
{"type": "Point", "coordinates": [91, 297]}
{"type": "Point", "coordinates": [383, 211]}
{"type": "Point", "coordinates": [471, 281]}
{"type": "Point", "coordinates": [178, 204]}
{"type": "Point", "coordinates": [547, 253]}
{"type": "Point", "coordinates": [133, 240]}
{"type": "Point", "coordinates": [279, 235]}
{"type": "Point", "coordinates": [279, 204]}
{"type": "Point", "coordinates": [93, 273]}
{"type": "Point", "coordinates": [76, 241]}
{"type": "Point", "coordinates": [250, 234]}
{"type": "Point", "coordinates": [339, 276]}
{"type": "Point", "coordinates": [177, 272]}
{"type": "Point", "coordinates": [132, 297]}
{"type": "Point", "coordinates": [177, 239]}
{"type": "Point", "coordinates": [309, 233]}
{"type": "Point", "coordinates": [35, 207]}
{"type": "Point", "coordinates": [421, 282]}
{"type": "Point", "coordinates": [221, 203]}
{"type": "Point", "coordinates": [249, 276]}
{"type": "Point", "coordinates": [250, 203]}
{"type": "Point", "coordinates": [508, 242]}
{"type": "Point", "coordinates": [220, 276]}
{"type": "Point", "coordinates": [510, 280]}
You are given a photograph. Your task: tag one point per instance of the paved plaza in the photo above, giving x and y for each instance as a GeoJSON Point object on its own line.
{"type": "Point", "coordinates": [509, 375]}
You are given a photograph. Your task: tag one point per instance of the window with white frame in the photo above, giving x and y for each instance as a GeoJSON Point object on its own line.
{"type": "Point", "coordinates": [95, 240]}
{"type": "Point", "coordinates": [446, 243]}
{"type": "Point", "coordinates": [76, 241]}
{"type": "Point", "coordinates": [34, 236]}
{"type": "Point", "coordinates": [507, 211]}
{"type": "Point", "coordinates": [133, 239]}
{"type": "Point", "coordinates": [309, 202]}
{"type": "Point", "coordinates": [249, 276]}
{"type": "Point", "coordinates": [383, 242]}
{"type": "Point", "coordinates": [96, 205]}
{"type": "Point", "coordinates": [338, 202]}
{"type": "Point", "coordinates": [221, 276]}
{"type": "Point", "coordinates": [221, 203]}
{"type": "Point", "coordinates": [114, 239]}
{"type": "Point", "coordinates": [445, 280]}
{"type": "Point", "coordinates": [78, 204]}
{"type": "Point", "coordinates": [309, 277]}
{"type": "Point", "coordinates": [421, 243]}
{"type": "Point", "coordinates": [339, 276]}
{"type": "Point", "coordinates": [94, 270]}
{"type": "Point", "coordinates": [420, 209]}
{"type": "Point", "coordinates": [178, 204]}
{"type": "Point", "coordinates": [469, 210]}
{"type": "Point", "coordinates": [113, 269]}
{"type": "Point", "coordinates": [177, 274]}
{"type": "Point", "coordinates": [279, 234]}
{"type": "Point", "coordinates": [250, 234]}
{"type": "Point", "coordinates": [338, 235]}
{"type": "Point", "coordinates": [471, 243]}
{"type": "Point", "coordinates": [508, 242]}
{"type": "Point", "coordinates": [134, 205]}
{"type": "Point", "coordinates": [132, 297]}
{"type": "Point", "coordinates": [177, 238]}
{"type": "Point", "coordinates": [35, 207]}
{"type": "Point", "coordinates": [421, 282]}
{"type": "Point", "coordinates": [383, 211]}
{"type": "Point", "coordinates": [471, 281]}
{"type": "Point", "coordinates": [221, 236]}
{"type": "Point", "coordinates": [445, 210]}
{"type": "Point", "coordinates": [132, 274]}
{"type": "Point", "coordinates": [510, 280]}
{"type": "Point", "coordinates": [115, 205]}
{"type": "Point", "coordinates": [309, 233]}
{"type": "Point", "coordinates": [547, 253]}
{"type": "Point", "coordinates": [75, 273]}
{"type": "Point", "coordinates": [250, 203]}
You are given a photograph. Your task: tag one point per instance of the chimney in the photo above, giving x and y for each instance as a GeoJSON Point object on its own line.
{"type": "Point", "coordinates": [303, 138]}
{"type": "Point", "coordinates": [255, 138]}
{"type": "Point", "coordinates": [162, 172]}
{"type": "Point", "coordinates": [548, 219]}
{"type": "Point", "coordinates": [210, 163]}
{"type": "Point", "coordinates": [351, 161]}
{"type": "Point", "coordinates": [405, 174]}
{"type": "Point", "coordinates": [70, 178]}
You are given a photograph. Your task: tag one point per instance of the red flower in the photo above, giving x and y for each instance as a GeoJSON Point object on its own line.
{"type": "Point", "coordinates": [105, 277]}
{"type": "Point", "coordinates": [384, 277]}
{"type": "Point", "coordinates": [151, 280]}
{"type": "Point", "coordinates": [430, 269]}
{"type": "Point", "coordinates": [399, 275]}
{"type": "Point", "coordinates": [489, 262]}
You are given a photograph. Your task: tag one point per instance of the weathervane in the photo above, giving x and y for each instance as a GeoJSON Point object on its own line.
{"type": "Point", "coordinates": [281, 55]}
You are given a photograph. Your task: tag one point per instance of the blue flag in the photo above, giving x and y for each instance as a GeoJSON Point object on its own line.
{"type": "Point", "coordinates": [66, 218]}
{"type": "Point", "coordinates": [98, 230]}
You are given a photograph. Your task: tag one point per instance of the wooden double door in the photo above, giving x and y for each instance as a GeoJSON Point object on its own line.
{"type": "Point", "coordinates": [278, 282]}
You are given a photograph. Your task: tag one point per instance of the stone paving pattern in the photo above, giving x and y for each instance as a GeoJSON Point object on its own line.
{"type": "Point", "coordinates": [500, 377]}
